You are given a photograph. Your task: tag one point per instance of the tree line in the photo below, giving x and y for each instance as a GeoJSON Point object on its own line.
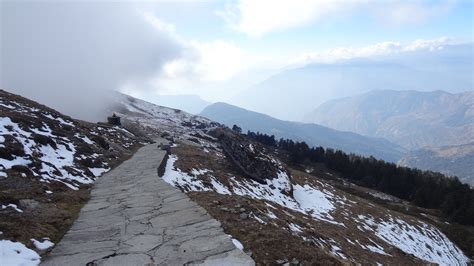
{"type": "Point", "coordinates": [423, 188]}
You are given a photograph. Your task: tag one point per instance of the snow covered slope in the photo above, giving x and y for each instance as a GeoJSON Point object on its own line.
{"type": "Point", "coordinates": [158, 118]}
{"type": "Point", "coordinates": [306, 208]}
{"type": "Point", "coordinates": [45, 144]}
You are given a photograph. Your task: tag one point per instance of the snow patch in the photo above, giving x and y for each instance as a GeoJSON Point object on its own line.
{"type": "Point", "coordinates": [422, 240]}
{"type": "Point", "coordinates": [177, 178]}
{"type": "Point", "coordinates": [15, 253]}
{"type": "Point", "coordinates": [220, 188]}
{"type": "Point", "coordinates": [295, 228]}
{"type": "Point", "coordinates": [237, 244]}
{"type": "Point", "coordinates": [98, 171]}
{"type": "Point", "coordinates": [315, 202]}
{"type": "Point", "coordinates": [84, 138]}
{"type": "Point", "coordinates": [42, 245]}
{"type": "Point", "coordinates": [13, 206]}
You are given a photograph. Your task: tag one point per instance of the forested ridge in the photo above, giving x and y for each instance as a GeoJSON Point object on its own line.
{"type": "Point", "coordinates": [423, 188]}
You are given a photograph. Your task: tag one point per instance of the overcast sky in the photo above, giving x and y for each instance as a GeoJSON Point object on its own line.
{"type": "Point", "coordinates": [210, 48]}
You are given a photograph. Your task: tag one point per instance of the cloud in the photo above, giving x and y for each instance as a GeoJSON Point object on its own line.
{"type": "Point", "coordinates": [68, 54]}
{"type": "Point", "coordinates": [378, 49]}
{"type": "Point", "coordinates": [257, 18]}
{"type": "Point", "coordinates": [212, 61]}
{"type": "Point", "coordinates": [198, 64]}
{"type": "Point", "coordinates": [399, 13]}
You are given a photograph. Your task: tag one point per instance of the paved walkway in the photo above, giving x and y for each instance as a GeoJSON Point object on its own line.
{"type": "Point", "coordinates": [135, 218]}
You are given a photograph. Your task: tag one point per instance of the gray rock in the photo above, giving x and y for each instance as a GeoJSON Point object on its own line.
{"type": "Point", "coordinates": [29, 204]}
{"type": "Point", "coordinates": [294, 261]}
{"type": "Point", "coordinates": [244, 216]}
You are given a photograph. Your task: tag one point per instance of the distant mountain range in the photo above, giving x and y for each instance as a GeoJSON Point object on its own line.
{"type": "Point", "coordinates": [312, 134]}
{"type": "Point", "coordinates": [438, 127]}
{"type": "Point", "coordinates": [411, 119]}
{"type": "Point", "coordinates": [455, 160]}
{"type": "Point", "coordinates": [293, 92]}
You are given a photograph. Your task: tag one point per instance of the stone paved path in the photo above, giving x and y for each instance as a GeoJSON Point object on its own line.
{"type": "Point", "coordinates": [135, 218]}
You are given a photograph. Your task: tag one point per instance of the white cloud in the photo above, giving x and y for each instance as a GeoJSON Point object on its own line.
{"type": "Point", "coordinates": [257, 18]}
{"type": "Point", "coordinates": [378, 49]}
{"type": "Point", "coordinates": [159, 24]}
{"type": "Point", "coordinates": [207, 61]}
{"type": "Point", "coordinates": [198, 65]}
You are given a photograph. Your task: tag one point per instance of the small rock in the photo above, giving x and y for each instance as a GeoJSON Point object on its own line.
{"type": "Point", "coordinates": [225, 209]}
{"type": "Point", "coordinates": [244, 216]}
{"type": "Point", "coordinates": [216, 202]}
{"type": "Point", "coordinates": [242, 210]}
{"type": "Point", "coordinates": [237, 206]}
{"type": "Point", "coordinates": [294, 261]}
{"type": "Point", "coordinates": [280, 261]}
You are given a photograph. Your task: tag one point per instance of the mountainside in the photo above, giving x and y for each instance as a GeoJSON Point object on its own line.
{"type": "Point", "coordinates": [411, 119]}
{"type": "Point", "coordinates": [48, 162]}
{"type": "Point", "coordinates": [275, 213]}
{"type": "Point", "coordinates": [192, 104]}
{"type": "Point", "coordinates": [282, 215]}
{"type": "Point", "coordinates": [455, 160]}
{"type": "Point", "coordinates": [295, 92]}
{"type": "Point", "coordinates": [313, 134]}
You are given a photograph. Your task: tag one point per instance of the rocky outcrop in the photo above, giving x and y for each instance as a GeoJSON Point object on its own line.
{"type": "Point", "coordinates": [247, 156]}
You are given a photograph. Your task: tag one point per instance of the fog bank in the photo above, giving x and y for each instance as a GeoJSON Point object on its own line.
{"type": "Point", "coordinates": [69, 54]}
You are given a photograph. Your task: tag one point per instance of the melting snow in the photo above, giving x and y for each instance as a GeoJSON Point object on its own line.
{"type": "Point", "coordinates": [13, 206]}
{"type": "Point", "coordinates": [98, 171]}
{"type": "Point", "coordinates": [177, 178]}
{"type": "Point", "coordinates": [295, 228]}
{"type": "Point", "coordinates": [237, 244]}
{"type": "Point", "coordinates": [57, 161]}
{"type": "Point", "coordinates": [424, 241]}
{"type": "Point", "coordinates": [257, 218]}
{"type": "Point", "coordinates": [42, 245]}
{"type": "Point", "coordinates": [84, 138]}
{"type": "Point", "coordinates": [220, 188]}
{"type": "Point", "coordinates": [59, 119]}
{"type": "Point", "coordinates": [197, 172]}
{"type": "Point", "coordinates": [271, 215]}
{"type": "Point", "coordinates": [307, 200]}
{"type": "Point", "coordinates": [15, 253]}
{"type": "Point", "coordinates": [314, 201]}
